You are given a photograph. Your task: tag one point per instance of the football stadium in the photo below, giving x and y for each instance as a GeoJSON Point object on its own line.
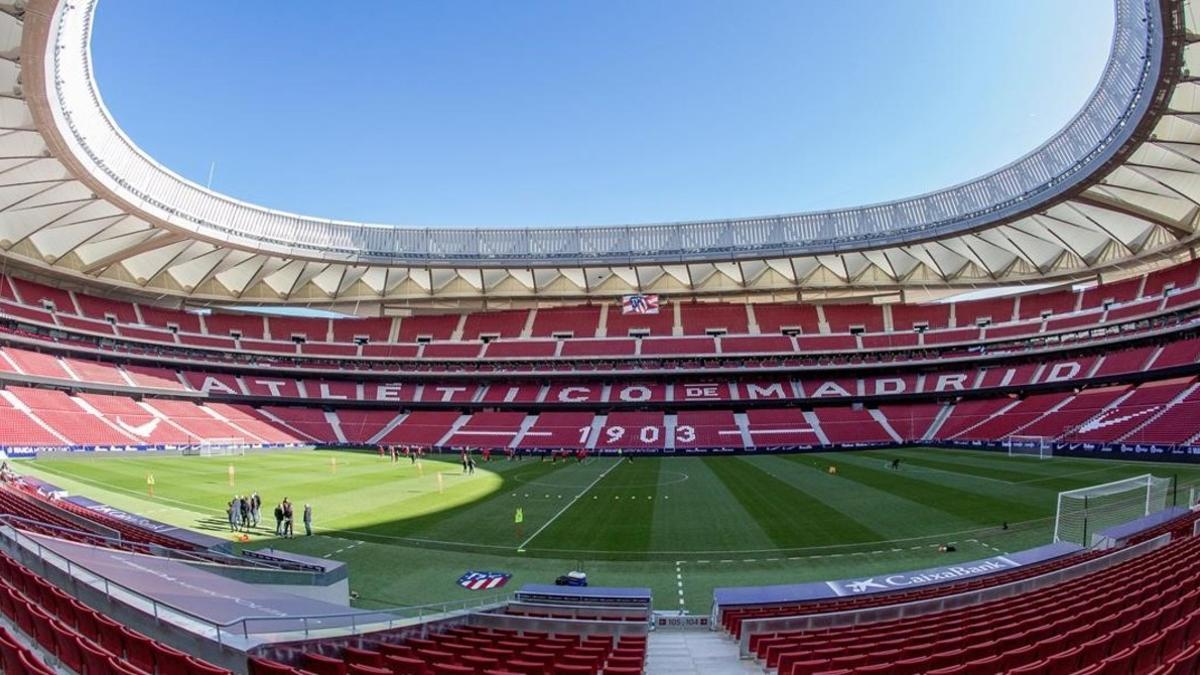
{"type": "Point", "coordinates": [953, 434]}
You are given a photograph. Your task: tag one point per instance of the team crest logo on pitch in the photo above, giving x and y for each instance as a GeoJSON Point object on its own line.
{"type": "Point", "coordinates": [483, 581]}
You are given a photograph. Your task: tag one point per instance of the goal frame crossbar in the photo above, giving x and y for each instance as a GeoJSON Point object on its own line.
{"type": "Point", "coordinates": [1145, 482]}
{"type": "Point", "coordinates": [1044, 447]}
{"type": "Point", "coordinates": [205, 447]}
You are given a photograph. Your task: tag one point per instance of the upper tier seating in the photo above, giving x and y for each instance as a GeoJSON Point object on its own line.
{"type": "Point", "coordinates": [698, 318]}
{"type": "Point", "coordinates": [434, 327]}
{"type": "Point", "coordinates": [847, 318]}
{"type": "Point", "coordinates": [377, 329]}
{"type": "Point", "coordinates": [284, 328]}
{"type": "Point", "coordinates": [776, 318]}
{"type": "Point", "coordinates": [244, 325]}
{"type": "Point", "coordinates": [578, 322]}
{"type": "Point", "coordinates": [505, 324]}
{"type": "Point", "coordinates": [823, 328]}
{"type": "Point", "coordinates": [1041, 305]}
{"type": "Point", "coordinates": [622, 325]}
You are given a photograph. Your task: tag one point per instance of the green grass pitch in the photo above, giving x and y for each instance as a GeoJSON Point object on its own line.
{"type": "Point", "coordinates": [680, 525]}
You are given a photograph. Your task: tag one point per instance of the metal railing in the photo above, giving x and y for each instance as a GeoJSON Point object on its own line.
{"type": "Point", "coordinates": [243, 631]}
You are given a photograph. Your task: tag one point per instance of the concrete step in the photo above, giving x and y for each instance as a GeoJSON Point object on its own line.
{"type": "Point", "coordinates": [704, 652]}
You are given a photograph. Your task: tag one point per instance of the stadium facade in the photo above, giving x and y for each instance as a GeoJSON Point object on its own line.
{"type": "Point", "coordinates": [107, 380]}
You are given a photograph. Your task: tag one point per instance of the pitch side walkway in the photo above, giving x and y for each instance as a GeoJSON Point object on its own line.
{"type": "Point", "coordinates": [704, 652]}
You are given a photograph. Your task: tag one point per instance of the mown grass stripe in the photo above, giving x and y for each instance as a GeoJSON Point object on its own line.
{"type": "Point", "coordinates": [890, 514]}
{"type": "Point", "coordinates": [791, 517]}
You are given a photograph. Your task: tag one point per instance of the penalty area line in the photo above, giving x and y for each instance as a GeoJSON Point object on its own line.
{"type": "Point", "coordinates": [522, 545]}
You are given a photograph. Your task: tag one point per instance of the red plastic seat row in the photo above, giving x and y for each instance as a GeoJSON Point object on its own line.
{"type": "Point", "coordinates": [16, 659]}
{"type": "Point", "coordinates": [1150, 623]}
{"type": "Point", "coordinates": [731, 619]}
{"type": "Point", "coordinates": [832, 644]}
{"type": "Point", "coordinates": [462, 649]}
{"type": "Point", "coordinates": [84, 640]}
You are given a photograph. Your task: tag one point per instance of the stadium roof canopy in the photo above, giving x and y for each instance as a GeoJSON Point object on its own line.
{"type": "Point", "coordinates": [1117, 188]}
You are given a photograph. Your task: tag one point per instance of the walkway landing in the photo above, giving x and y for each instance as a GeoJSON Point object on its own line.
{"type": "Point", "coordinates": [703, 652]}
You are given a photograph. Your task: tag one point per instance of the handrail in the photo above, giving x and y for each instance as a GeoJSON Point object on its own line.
{"type": "Point", "coordinates": [249, 628]}
{"type": "Point", "coordinates": [185, 555]}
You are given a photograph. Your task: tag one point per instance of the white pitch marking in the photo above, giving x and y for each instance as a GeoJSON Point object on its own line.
{"type": "Point", "coordinates": [567, 506]}
{"type": "Point", "coordinates": [679, 581]}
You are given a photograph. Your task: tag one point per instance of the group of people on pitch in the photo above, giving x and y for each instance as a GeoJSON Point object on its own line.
{"type": "Point", "coordinates": [245, 512]}
{"type": "Point", "coordinates": [398, 451]}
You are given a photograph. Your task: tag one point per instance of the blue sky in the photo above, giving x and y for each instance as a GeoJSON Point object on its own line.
{"type": "Point", "coordinates": [477, 112]}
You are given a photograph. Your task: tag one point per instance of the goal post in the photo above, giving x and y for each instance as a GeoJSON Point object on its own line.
{"type": "Point", "coordinates": [1029, 446]}
{"type": "Point", "coordinates": [216, 447]}
{"type": "Point", "coordinates": [1082, 512]}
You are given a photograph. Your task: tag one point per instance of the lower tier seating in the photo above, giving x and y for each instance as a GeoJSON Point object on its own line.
{"type": "Point", "coordinates": [1139, 616]}
{"type": "Point", "coordinates": [732, 618]}
{"type": "Point", "coordinates": [1154, 412]}
{"type": "Point", "coordinates": [468, 650]}
{"type": "Point", "coordinates": [80, 638]}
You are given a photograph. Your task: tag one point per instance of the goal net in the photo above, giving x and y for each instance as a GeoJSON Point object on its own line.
{"type": "Point", "coordinates": [1030, 446]}
{"type": "Point", "coordinates": [1083, 512]}
{"type": "Point", "coordinates": [214, 447]}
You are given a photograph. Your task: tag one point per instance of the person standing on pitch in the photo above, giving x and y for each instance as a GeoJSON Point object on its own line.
{"type": "Point", "coordinates": [255, 509]}
{"type": "Point", "coordinates": [237, 512]}
{"type": "Point", "coordinates": [289, 520]}
{"type": "Point", "coordinates": [246, 513]}
{"type": "Point", "coordinates": [308, 520]}
{"type": "Point", "coordinates": [279, 520]}
{"type": "Point", "coordinates": [231, 515]}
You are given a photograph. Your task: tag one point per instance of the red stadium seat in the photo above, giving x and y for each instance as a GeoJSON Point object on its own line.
{"type": "Point", "coordinates": [32, 665]}
{"type": "Point", "coordinates": [322, 665]}
{"type": "Point", "coordinates": [197, 667]}
{"type": "Point", "coordinates": [170, 660]}
{"type": "Point", "coordinates": [66, 647]}
{"type": "Point", "coordinates": [139, 649]}
{"type": "Point", "coordinates": [526, 667]}
{"type": "Point", "coordinates": [365, 657]}
{"type": "Point", "coordinates": [393, 649]}
{"type": "Point", "coordinates": [110, 635]}
{"type": "Point", "coordinates": [405, 665]}
{"type": "Point", "coordinates": [572, 669]}
{"type": "Point", "coordinates": [119, 666]}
